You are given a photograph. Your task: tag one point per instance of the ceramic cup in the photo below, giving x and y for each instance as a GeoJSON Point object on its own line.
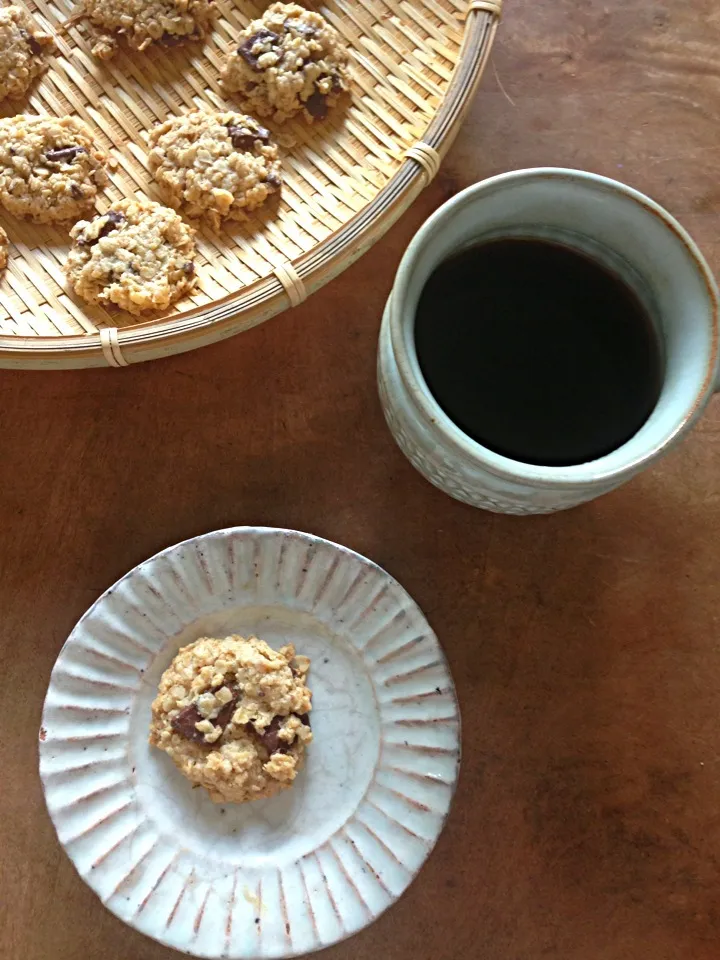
{"type": "Point", "coordinates": [619, 227]}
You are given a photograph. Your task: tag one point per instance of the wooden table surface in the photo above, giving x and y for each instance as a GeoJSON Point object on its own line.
{"type": "Point", "coordinates": [584, 645]}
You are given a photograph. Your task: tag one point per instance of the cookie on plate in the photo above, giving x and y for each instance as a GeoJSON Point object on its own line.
{"type": "Point", "coordinates": [138, 256]}
{"type": "Point", "coordinates": [232, 715]}
{"type": "Point", "coordinates": [50, 167]}
{"type": "Point", "coordinates": [23, 46]}
{"type": "Point", "coordinates": [143, 22]}
{"type": "Point", "coordinates": [291, 59]}
{"type": "Point", "coordinates": [4, 244]}
{"type": "Point", "coordinates": [214, 165]}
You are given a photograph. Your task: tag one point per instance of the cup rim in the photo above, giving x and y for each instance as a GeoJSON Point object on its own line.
{"type": "Point", "coordinates": [495, 463]}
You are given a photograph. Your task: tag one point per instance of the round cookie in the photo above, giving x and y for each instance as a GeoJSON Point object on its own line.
{"type": "Point", "coordinates": [214, 165]}
{"type": "Point", "coordinates": [143, 22]}
{"type": "Point", "coordinates": [138, 256]}
{"type": "Point", "coordinates": [291, 59]}
{"type": "Point", "coordinates": [4, 244]}
{"type": "Point", "coordinates": [50, 168]}
{"type": "Point", "coordinates": [232, 715]}
{"type": "Point", "coordinates": [22, 48]}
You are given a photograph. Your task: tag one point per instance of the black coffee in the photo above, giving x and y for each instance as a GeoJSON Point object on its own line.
{"type": "Point", "coordinates": [537, 351]}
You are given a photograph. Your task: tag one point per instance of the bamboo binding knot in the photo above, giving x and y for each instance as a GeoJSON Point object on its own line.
{"type": "Point", "coordinates": [426, 156]}
{"type": "Point", "coordinates": [294, 287]}
{"type": "Point", "coordinates": [111, 347]}
{"type": "Point", "coordinates": [493, 7]}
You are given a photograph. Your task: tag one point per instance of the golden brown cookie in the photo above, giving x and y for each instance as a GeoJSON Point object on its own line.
{"type": "Point", "coordinates": [50, 167]}
{"type": "Point", "coordinates": [291, 59]}
{"type": "Point", "coordinates": [232, 715]}
{"type": "Point", "coordinates": [139, 256]}
{"type": "Point", "coordinates": [23, 46]}
{"type": "Point", "coordinates": [214, 165]}
{"type": "Point", "coordinates": [142, 22]}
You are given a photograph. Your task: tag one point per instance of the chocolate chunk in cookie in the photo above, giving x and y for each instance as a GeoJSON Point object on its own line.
{"type": "Point", "coordinates": [270, 736]}
{"type": "Point", "coordinates": [245, 137]}
{"type": "Point", "coordinates": [185, 723]}
{"type": "Point", "coordinates": [64, 154]}
{"type": "Point", "coordinates": [255, 46]}
{"type": "Point", "coordinates": [316, 105]}
{"type": "Point", "coordinates": [111, 220]}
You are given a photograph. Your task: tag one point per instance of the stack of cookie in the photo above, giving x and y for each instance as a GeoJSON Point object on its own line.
{"type": "Point", "coordinates": [214, 165]}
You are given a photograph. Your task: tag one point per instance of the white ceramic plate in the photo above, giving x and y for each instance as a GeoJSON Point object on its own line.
{"type": "Point", "coordinates": [273, 878]}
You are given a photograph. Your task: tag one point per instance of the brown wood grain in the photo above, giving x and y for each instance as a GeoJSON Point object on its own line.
{"type": "Point", "coordinates": [585, 646]}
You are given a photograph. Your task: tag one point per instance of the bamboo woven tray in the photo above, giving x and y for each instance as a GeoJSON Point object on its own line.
{"type": "Point", "coordinates": [416, 65]}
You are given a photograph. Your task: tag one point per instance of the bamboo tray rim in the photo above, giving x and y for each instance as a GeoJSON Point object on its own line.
{"type": "Point", "coordinates": [292, 282]}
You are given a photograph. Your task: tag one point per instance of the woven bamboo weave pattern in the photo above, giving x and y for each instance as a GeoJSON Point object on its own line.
{"type": "Point", "coordinates": [415, 65]}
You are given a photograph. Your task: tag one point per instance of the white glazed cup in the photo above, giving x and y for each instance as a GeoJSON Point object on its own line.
{"type": "Point", "coordinates": [618, 226]}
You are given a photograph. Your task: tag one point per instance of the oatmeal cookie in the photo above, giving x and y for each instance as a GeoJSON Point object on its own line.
{"type": "Point", "coordinates": [143, 22]}
{"type": "Point", "coordinates": [138, 255]}
{"type": "Point", "coordinates": [290, 59]}
{"type": "Point", "coordinates": [232, 715]}
{"type": "Point", "coordinates": [50, 168]}
{"type": "Point", "coordinates": [22, 48]}
{"type": "Point", "coordinates": [3, 249]}
{"type": "Point", "coordinates": [214, 164]}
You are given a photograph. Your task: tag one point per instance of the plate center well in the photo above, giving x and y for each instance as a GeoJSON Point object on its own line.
{"type": "Point", "coordinates": [339, 765]}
